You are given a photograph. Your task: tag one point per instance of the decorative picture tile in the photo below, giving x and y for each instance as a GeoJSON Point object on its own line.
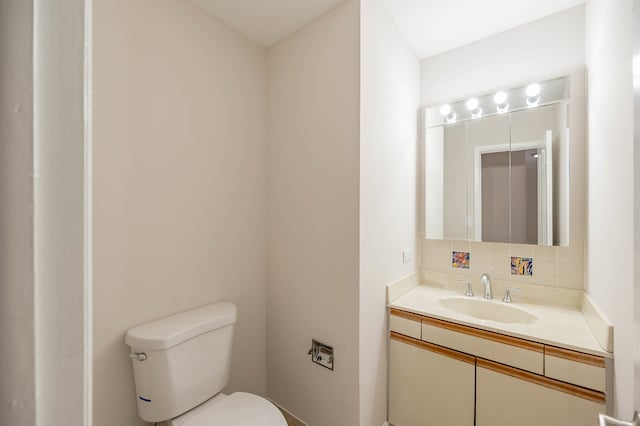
{"type": "Point", "coordinates": [460, 259]}
{"type": "Point", "coordinates": [522, 266]}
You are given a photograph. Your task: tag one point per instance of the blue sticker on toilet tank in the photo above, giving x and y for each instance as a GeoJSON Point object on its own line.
{"type": "Point", "coordinates": [144, 399]}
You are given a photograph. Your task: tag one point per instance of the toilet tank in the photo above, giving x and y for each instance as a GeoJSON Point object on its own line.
{"type": "Point", "coordinates": [182, 360]}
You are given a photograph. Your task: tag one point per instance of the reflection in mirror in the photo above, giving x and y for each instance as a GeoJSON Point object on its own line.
{"type": "Point", "coordinates": [497, 167]}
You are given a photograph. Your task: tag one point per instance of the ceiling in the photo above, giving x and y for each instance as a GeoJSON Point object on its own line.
{"type": "Point", "coordinates": [267, 21]}
{"type": "Point", "coordinates": [430, 26]}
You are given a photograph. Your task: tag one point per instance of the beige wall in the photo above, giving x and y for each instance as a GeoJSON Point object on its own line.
{"type": "Point", "coordinates": [179, 185]}
{"type": "Point", "coordinates": [313, 193]}
{"type": "Point", "coordinates": [552, 46]}
{"type": "Point", "coordinates": [389, 99]}
{"type": "Point", "coordinates": [610, 268]}
{"type": "Point", "coordinates": [17, 329]}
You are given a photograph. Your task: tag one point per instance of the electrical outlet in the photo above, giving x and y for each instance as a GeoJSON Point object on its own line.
{"type": "Point", "coordinates": [406, 256]}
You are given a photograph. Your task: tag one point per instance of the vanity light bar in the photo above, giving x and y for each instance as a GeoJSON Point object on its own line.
{"type": "Point", "coordinates": [500, 102]}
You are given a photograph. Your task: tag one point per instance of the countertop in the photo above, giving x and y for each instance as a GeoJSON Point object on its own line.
{"type": "Point", "coordinates": [557, 326]}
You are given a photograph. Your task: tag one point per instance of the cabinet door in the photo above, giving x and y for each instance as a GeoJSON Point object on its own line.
{"type": "Point", "coordinates": [507, 397]}
{"type": "Point", "coordinates": [429, 385]}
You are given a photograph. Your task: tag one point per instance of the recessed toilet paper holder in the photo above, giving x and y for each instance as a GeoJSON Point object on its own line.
{"type": "Point", "coordinates": [321, 354]}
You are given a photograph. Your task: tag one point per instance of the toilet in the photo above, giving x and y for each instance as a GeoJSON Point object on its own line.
{"type": "Point", "coordinates": [181, 364]}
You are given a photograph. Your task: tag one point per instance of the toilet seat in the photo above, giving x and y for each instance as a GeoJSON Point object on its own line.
{"type": "Point", "coordinates": [237, 409]}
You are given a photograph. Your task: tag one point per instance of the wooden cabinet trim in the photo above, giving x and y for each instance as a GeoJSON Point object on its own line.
{"type": "Point", "coordinates": [578, 391]}
{"type": "Point", "coordinates": [594, 360]}
{"type": "Point", "coordinates": [433, 348]}
{"type": "Point", "coordinates": [488, 335]}
{"type": "Point", "coordinates": [404, 314]}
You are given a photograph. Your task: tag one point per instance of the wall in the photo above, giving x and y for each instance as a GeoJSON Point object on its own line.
{"type": "Point", "coordinates": [609, 47]}
{"type": "Point", "coordinates": [59, 212]}
{"type": "Point", "coordinates": [179, 185]}
{"type": "Point", "coordinates": [17, 329]}
{"type": "Point", "coordinates": [549, 47]}
{"type": "Point", "coordinates": [389, 99]}
{"type": "Point", "coordinates": [313, 193]}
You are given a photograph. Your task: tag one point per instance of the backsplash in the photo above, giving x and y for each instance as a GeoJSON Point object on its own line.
{"type": "Point", "coordinates": [522, 266]}
{"type": "Point", "coordinates": [554, 266]}
{"type": "Point", "coordinates": [460, 259]}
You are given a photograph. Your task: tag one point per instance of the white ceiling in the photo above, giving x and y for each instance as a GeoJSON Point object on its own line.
{"type": "Point", "coordinates": [267, 21]}
{"type": "Point", "coordinates": [434, 26]}
{"type": "Point", "coordinates": [430, 26]}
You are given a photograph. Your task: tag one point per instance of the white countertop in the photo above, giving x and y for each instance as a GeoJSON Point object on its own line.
{"type": "Point", "coordinates": [562, 327]}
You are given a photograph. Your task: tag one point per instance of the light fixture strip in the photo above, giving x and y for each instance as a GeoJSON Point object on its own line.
{"type": "Point", "coordinates": [500, 102]}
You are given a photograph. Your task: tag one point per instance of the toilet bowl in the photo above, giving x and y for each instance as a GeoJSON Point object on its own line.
{"type": "Point", "coordinates": [181, 364]}
{"type": "Point", "coordinates": [237, 409]}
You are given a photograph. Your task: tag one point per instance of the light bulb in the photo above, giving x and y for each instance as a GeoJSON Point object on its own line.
{"type": "Point", "coordinates": [500, 98]}
{"type": "Point", "coordinates": [533, 95]}
{"type": "Point", "coordinates": [472, 104]}
{"type": "Point", "coordinates": [533, 90]}
{"type": "Point", "coordinates": [474, 107]}
{"type": "Point", "coordinates": [449, 114]}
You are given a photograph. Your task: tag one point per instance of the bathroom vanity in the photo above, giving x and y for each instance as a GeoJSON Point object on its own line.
{"type": "Point", "coordinates": [457, 360]}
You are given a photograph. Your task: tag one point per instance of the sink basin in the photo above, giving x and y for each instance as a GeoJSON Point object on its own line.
{"type": "Point", "coordinates": [488, 310]}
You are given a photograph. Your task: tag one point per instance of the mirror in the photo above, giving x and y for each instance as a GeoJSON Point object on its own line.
{"type": "Point", "coordinates": [497, 167]}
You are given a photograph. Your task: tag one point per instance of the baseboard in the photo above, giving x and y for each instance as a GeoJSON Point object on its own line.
{"type": "Point", "coordinates": [289, 414]}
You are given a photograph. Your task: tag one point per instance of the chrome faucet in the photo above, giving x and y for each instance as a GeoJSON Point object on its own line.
{"type": "Point", "coordinates": [469, 291]}
{"type": "Point", "coordinates": [485, 280]}
{"type": "Point", "coordinates": [507, 294]}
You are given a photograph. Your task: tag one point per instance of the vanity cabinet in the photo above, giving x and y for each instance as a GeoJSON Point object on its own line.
{"type": "Point", "coordinates": [506, 396]}
{"type": "Point", "coordinates": [447, 374]}
{"type": "Point", "coordinates": [429, 385]}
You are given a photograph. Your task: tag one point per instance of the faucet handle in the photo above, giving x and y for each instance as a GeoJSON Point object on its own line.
{"type": "Point", "coordinates": [507, 294]}
{"type": "Point", "coordinates": [469, 291]}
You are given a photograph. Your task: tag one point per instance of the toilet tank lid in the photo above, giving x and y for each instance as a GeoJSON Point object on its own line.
{"type": "Point", "coordinates": [167, 332]}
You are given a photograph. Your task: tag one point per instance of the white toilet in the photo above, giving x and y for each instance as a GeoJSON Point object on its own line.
{"type": "Point", "coordinates": [180, 366]}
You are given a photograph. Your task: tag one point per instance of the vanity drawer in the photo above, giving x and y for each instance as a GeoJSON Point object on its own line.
{"type": "Point", "coordinates": [507, 350]}
{"type": "Point", "coordinates": [405, 323]}
{"type": "Point", "coordinates": [575, 367]}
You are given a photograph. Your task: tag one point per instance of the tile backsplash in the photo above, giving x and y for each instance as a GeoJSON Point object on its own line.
{"type": "Point", "coordinates": [522, 266]}
{"type": "Point", "coordinates": [460, 259]}
{"type": "Point", "coordinates": [554, 266]}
